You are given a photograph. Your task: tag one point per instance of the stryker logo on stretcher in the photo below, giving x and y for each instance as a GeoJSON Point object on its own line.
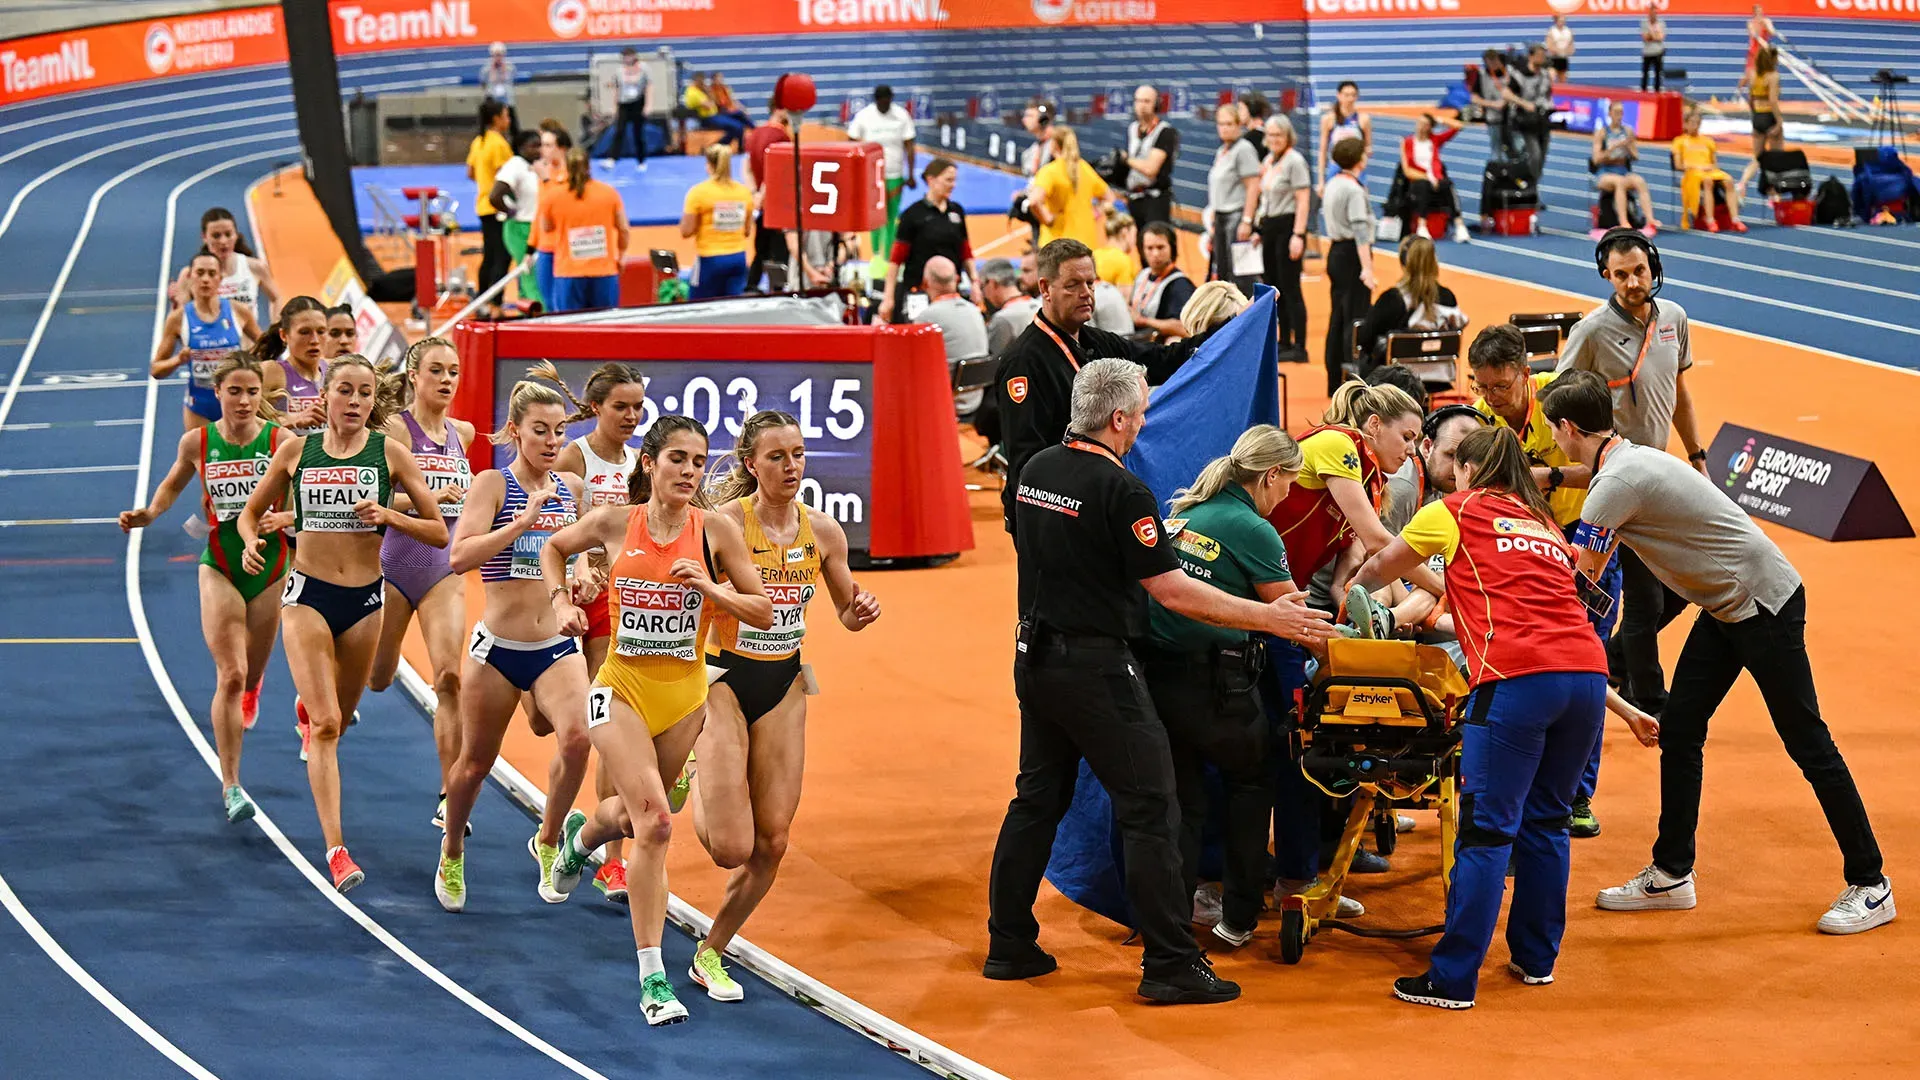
{"type": "Point", "coordinates": [443, 19]}
{"type": "Point", "coordinates": [69, 64]}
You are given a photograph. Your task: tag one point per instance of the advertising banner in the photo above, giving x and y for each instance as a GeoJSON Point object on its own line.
{"type": "Point", "coordinates": [87, 59]}
{"type": "Point", "coordinates": [1817, 491]}
{"type": "Point", "coordinates": [1334, 10]}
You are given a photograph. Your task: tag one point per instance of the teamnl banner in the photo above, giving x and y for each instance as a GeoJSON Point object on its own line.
{"type": "Point", "coordinates": [119, 53]}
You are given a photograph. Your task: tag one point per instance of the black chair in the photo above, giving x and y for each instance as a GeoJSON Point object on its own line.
{"type": "Point", "coordinates": [1563, 320]}
{"type": "Point", "coordinates": [1433, 356]}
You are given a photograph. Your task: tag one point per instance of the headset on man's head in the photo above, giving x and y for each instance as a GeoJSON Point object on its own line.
{"type": "Point", "coordinates": [1636, 238]}
{"type": "Point", "coordinates": [1430, 427]}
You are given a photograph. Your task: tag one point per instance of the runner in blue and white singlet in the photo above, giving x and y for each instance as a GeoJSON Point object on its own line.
{"type": "Point", "coordinates": [198, 336]}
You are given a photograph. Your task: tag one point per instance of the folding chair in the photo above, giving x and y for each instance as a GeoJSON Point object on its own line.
{"type": "Point", "coordinates": [1433, 356]}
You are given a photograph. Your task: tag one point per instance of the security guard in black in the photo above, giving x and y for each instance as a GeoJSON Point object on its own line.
{"type": "Point", "coordinates": [1095, 535]}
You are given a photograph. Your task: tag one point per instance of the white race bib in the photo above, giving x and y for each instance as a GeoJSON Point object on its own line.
{"type": "Point", "coordinates": [657, 619]}
{"type": "Point", "coordinates": [587, 242]}
{"type": "Point", "coordinates": [525, 564]}
{"type": "Point", "coordinates": [730, 217]}
{"type": "Point", "coordinates": [328, 494]}
{"type": "Point", "coordinates": [789, 623]}
{"type": "Point", "coordinates": [204, 362]}
{"type": "Point", "coordinates": [230, 484]}
{"type": "Point", "coordinates": [443, 471]}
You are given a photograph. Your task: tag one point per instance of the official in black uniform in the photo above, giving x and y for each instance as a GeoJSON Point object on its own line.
{"type": "Point", "coordinates": [936, 225]}
{"type": "Point", "coordinates": [1036, 374]}
{"type": "Point", "coordinates": [1092, 548]}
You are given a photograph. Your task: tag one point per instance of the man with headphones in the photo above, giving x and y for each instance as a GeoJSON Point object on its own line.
{"type": "Point", "coordinates": [1152, 145]}
{"type": "Point", "coordinates": [1640, 346]}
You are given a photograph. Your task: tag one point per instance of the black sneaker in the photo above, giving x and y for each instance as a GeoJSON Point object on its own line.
{"type": "Point", "coordinates": [1031, 964]}
{"type": "Point", "coordinates": [1420, 990]}
{"type": "Point", "coordinates": [1195, 985]}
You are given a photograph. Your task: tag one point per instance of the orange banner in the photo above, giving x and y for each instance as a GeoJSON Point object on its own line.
{"type": "Point", "coordinates": [61, 63]}
{"type": "Point", "coordinates": [361, 26]}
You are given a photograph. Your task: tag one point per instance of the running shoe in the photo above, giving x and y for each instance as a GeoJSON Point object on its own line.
{"type": "Point", "coordinates": [1206, 904]}
{"type": "Point", "coordinates": [1581, 824]}
{"type": "Point", "coordinates": [709, 972]}
{"type": "Point", "coordinates": [546, 855]}
{"type": "Point", "coordinates": [677, 794]}
{"type": "Point", "coordinates": [239, 807]}
{"type": "Point", "coordinates": [1652, 889]}
{"type": "Point", "coordinates": [346, 872]}
{"type": "Point", "coordinates": [563, 871]}
{"type": "Point", "coordinates": [450, 883]}
{"type": "Point", "coordinates": [1230, 937]}
{"type": "Point", "coordinates": [657, 1002]}
{"type": "Point", "coordinates": [1402, 823]}
{"type": "Point", "coordinates": [1460, 234]}
{"type": "Point", "coordinates": [1372, 620]}
{"type": "Point", "coordinates": [612, 882]}
{"type": "Point", "coordinates": [1419, 990]}
{"type": "Point", "coordinates": [1520, 973]}
{"type": "Point", "coordinates": [1859, 909]}
{"type": "Point", "coordinates": [250, 708]}
{"type": "Point", "coordinates": [440, 817]}
{"type": "Point", "coordinates": [301, 725]}
{"type": "Point", "coordinates": [1738, 225]}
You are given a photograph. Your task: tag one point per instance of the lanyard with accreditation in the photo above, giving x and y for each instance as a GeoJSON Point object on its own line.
{"type": "Point", "coordinates": [1598, 539]}
{"type": "Point", "coordinates": [1646, 342]}
{"type": "Point", "coordinates": [1065, 351]}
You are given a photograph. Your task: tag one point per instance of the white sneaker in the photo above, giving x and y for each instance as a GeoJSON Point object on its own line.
{"type": "Point", "coordinates": [1652, 889]}
{"type": "Point", "coordinates": [1231, 937]}
{"type": "Point", "coordinates": [1859, 909]}
{"type": "Point", "coordinates": [1402, 823]}
{"type": "Point", "coordinates": [1460, 234]}
{"type": "Point", "coordinates": [1349, 908]}
{"type": "Point", "coordinates": [1420, 230]}
{"type": "Point", "coordinates": [1531, 980]}
{"type": "Point", "coordinates": [1206, 904]}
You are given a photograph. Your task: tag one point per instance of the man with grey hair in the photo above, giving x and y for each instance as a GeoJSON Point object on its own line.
{"type": "Point", "coordinates": [1009, 309]}
{"type": "Point", "coordinates": [1036, 372]}
{"type": "Point", "coordinates": [1092, 549]}
{"type": "Point", "coordinates": [962, 327]}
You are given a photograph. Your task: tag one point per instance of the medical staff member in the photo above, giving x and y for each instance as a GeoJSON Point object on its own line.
{"type": "Point", "coordinates": [1539, 678]}
{"type": "Point", "coordinates": [1753, 618]}
{"type": "Point", "coordinates": [715, 216]}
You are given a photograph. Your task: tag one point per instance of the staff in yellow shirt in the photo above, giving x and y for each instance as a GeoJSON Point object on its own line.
{"type": "Point", "coordinates": [1699, 159]}
{"type": "Point", "coordinates": [485, 155]}
{"type": "Point", "coordinates": [715, 216]}
{"type": "Point", "coordinates": [1065, 191]}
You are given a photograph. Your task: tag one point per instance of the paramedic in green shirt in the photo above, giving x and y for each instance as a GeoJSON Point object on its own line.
{"type": "Point", "coordinates": [1202, 677]}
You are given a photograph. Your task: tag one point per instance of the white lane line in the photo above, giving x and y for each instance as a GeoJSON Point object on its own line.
{"type": "Point", "coordinates": [66, 469]}
{"type": "Point", "coordinates": [136, 606]}
{"type": "Point", "coordinates": [123, 106]}
{"type": "Point", "coordinates": [19, 523]}
{"type": "Point", "coordinates": [124, 121]}
{"type": "Point", "coordinates": [92, 985]}
{"type": "Point", "coordinates": [48, 388]}
{"type": "Point", "coordinates": [86, 226]}
{"type": "Point", "coordinates": [13, 208]}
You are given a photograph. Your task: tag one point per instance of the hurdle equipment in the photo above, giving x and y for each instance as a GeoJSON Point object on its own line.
{"type": "Point", "coordinates": [1379, 728]}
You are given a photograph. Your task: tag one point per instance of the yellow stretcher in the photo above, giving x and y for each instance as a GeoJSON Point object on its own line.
{"type": "Point", "coordinates": [1378, 727]}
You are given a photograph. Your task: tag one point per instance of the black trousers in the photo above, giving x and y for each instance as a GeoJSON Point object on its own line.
{"type": "Point", "coordinates": [1773, 649]}
{"type": "Point", "coordinates": [1087, 700]}
{"type": "Point", "coordinates": [1226, 231]}
{"type": "Point", "coordinates": [1351, 299]}
{"type": "Point", "coordinates": [1657, 66]}
{"type": "Point", "coordinates": [1283, 273]}
{"type": "Point", "coordinates": [1425, 197]}
{"type": "Point", "coordinates": [495, 260]}
{"type": "Point", "coordinates": [769, 255]}
{"type": "Point", "coordinates": [1633, 653]}
{"type": "Point", "coordinates": [1213, 717]}
{"type": "Point", "coordinates": [1147, 209]}
{"type": "Point", "coordinates": [631, 123]}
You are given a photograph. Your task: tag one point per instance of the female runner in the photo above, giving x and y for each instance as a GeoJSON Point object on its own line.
{"type": "Point", "coordinates": [243, 276]}
{"type": "Point", "coordinates": [616, 396]}
{"type": "Point", "coordinates": [293, 360]}
{"type": "Point", "coordinates": [199, 335]}
{"type": "Point", "coordinates": [342, 479]}
{"type": "Point", "coordinates": [238, 606]}
{"type": "Point", "coordinates": [517, 647]}
{"type": "Point", "coordinates": [419, 578]}
{"type": "Point", "coordinates": [649, 700]}
{"type": "Point", "coordinates": [753, 746]}
{"type": "Point", "coordinates": [1539, 677]}
{"type": "Point", "coordinates": [343, 333]}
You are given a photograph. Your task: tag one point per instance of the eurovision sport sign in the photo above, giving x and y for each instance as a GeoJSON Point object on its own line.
{"type": "Point", "coordinates": [1815, 491]}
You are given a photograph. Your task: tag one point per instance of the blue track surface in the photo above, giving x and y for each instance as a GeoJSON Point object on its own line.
{"type": "Point", "coordinates": [652, 195]}
{"type": "Point", "coordinates": [111, 837]}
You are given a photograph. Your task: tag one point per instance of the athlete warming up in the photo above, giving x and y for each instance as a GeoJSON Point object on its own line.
{"type": "Point", "coordinates": [616, 398]}
{"type": "Point", "coordinates": [238, 610]}
{"type": "Point", "coordinates": [517, 647]}
{"type": "Point", "coordinates": [419, 579]}
{"type": "Point", "coordinates": [342, 480]}
{"type": "Point", "coordinates": [199, 336]}
{"type": "Point", "coordinates": [293, 357]}
{"type": "Point", "coordinates": [650, 698]}
{"type": "Point", "coordinates": [753, 746]}
{"type": "Point", "coordinates": [243, 277]}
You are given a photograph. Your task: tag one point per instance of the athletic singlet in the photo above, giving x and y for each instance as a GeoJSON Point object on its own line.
{"type": "Point", "coordinates": [229, 473]}
{"type": "Point", "coordinates": [1343, 129]}
{"type": "Point", "coordinates": [659, 624]}
{"type": "Point", "coordinates": [521, 561]}
{"type": "Point", "coordinates": [241, 285]}
{"type": "Point", "coordinates": [606, 480]}
{"type": "Point", "coordinates": [301, 392]}
{"type": "Point", "coordinates": [208, 342]}
{"type": "Point", "coordinates": [442, 463]}
{"type": "Point", "coordinates": [790, 574]}
{"type": "Point", "coordinates": [327, 488]}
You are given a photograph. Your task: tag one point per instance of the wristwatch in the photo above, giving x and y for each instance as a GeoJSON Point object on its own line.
{"type": "Point", "coordinates": [1554, 479]}
{"type": "Point", "coordinates": [1698, 457]}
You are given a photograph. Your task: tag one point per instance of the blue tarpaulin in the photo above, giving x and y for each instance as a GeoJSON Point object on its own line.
{"type": "Point", "coordinates": [1231, 383]}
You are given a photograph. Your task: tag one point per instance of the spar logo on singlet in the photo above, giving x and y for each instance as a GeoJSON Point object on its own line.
{"type": "Point", "coordinates": [606, 489]}
{"type": "Point", "coordinates": [657, 618]}
{"type": "Point", "coordinates": [1528, 535]}
{"type": "Point", "coordinates": [789, 623]}
{"type": "Point", "coordinates": [230, 484]}
{"type": "Point", "coordinates": [329, 493]}
{"type": "Point", "coordinates": [443, 471]}
{"type": "Point", "coordinates": [525, 564]}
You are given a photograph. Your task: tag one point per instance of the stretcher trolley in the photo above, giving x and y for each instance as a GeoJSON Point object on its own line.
{"type": "Point", "coordinates": [1378, 728]}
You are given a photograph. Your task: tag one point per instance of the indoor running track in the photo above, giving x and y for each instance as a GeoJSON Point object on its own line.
{"type": "Point", "coordinates": [142, 935]}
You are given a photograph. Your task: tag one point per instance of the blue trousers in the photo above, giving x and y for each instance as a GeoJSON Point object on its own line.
{"type": "Point", "coordinates": [1610, 581]}
{"type": "Point", "coordinates": [586, 293]}
{"type": "Point", "coordinates": [1522, 749]}
{"type": "Point", "coordinates": [719, 275]}
{"type": "Point", "coordinates": [543, 277]}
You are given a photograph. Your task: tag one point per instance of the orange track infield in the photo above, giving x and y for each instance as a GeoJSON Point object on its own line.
{"type": "Point", "coordinates": [912, 756]}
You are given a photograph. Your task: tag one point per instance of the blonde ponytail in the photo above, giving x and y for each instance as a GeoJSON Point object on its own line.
{"type": "Point", "coordinates": [1257, 450]}
{"type": "Point", "coordinates": [1354, 403]}
{"type": "Point", "coordinates": [526, 394]}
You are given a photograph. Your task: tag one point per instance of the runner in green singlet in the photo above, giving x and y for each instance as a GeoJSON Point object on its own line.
{"type": "Point", "coordinates": [239, 612]}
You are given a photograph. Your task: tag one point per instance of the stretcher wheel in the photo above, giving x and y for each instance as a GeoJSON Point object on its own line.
{"type": "Point", "coordinates": [1386, 832]}
{"type": "Point", "coordinates": [1293, 936]}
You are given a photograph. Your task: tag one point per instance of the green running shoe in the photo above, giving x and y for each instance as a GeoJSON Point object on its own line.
{"type": "Point", "coordinates": [560, 871]}
{"type": "Point", "coordinates": [1367, 616]}
{"type": "Point", "coordinates": [677, 794]}
{"type": "Point", "coordinates": [708, 971]}
{"type": "Point", "coordinates": [657, 1002]}
{"type": "Point", "coordinates": [239, 807]}
{"type": "Point", "coordinates": [1581, 823]}
{"type": "Point", "coordinates": [545, 855]}
{"type": "Point", "coordinates": [450, 883]}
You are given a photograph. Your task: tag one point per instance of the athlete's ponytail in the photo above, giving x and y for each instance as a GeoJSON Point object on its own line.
{"type": "Point", "coordinates": [640, 483]}
{"type": "Point", "coordinates": [273, 340]}
{"type": "Point", "coordinates": [600, 385]}
{"type": "Point", "coordinates": [1258, 449]}
{"type": "Point", "coordinates": [1355, 403]}
{"type": "Point", "coordinates": [238, 360]}
{"type": "Point", "coordinates": [1497, 462]}
{"type": "Point", "coordinates": [738, 482]}
{"type": "Point", "coordinates": [526, 394]}
{"type": "Point", "coordinates": [579, 171]}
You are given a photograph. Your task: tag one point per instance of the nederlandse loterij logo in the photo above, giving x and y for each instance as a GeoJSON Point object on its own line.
{"type": "Point", "coordinates": [567, 17]}
{"type": "Point", "coordinates": [159, 48]}
{"type": "Point", "coordinates": [1053, 11]}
